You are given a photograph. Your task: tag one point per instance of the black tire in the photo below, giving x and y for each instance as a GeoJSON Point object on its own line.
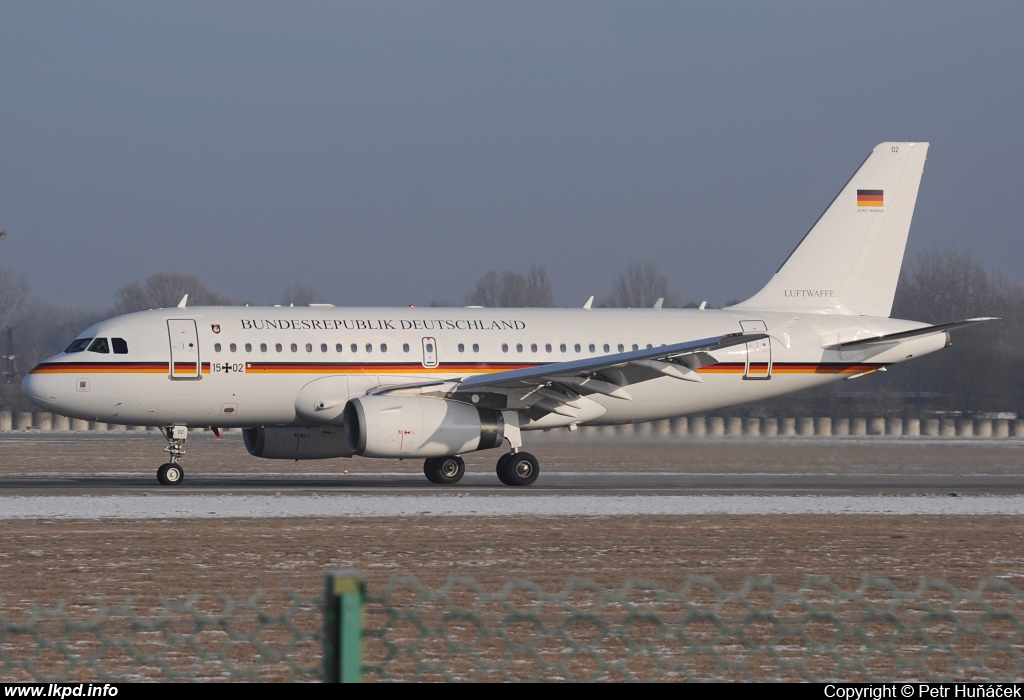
{"type": "Point", "coordinates": [170, 474]}
{"type": "Point", "coordinates": [444, 470]}
{"type": "Point", "coordinates": [502, 469]}
{"type": "Point", "coordinates": [429, 469]}
{"type": "Point", "coordinates": [519, 469]}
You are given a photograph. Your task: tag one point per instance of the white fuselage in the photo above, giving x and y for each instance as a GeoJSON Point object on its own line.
{"type": "Point", "coordinates": [247, 366]}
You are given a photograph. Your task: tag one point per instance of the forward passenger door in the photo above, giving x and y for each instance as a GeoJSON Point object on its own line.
{"type": "Point", "coordinates": [184, 339]}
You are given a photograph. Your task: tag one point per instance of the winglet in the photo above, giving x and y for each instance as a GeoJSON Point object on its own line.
{"type": "Point", "coordinates": [181, 304]}
{"type": "Point", "coordinates": [657, 304]}
{"type": "Point", "coordinates": [589, 303]}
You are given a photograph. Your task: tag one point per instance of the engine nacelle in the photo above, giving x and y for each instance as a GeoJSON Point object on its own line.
{"type": "Point", "coordinates": [296, 443]}
{"type": "Point", "coordinates": [412, 426]}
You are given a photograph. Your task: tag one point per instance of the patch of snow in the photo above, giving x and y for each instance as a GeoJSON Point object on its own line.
{"type": "Point", "coordinates": [278, 506]}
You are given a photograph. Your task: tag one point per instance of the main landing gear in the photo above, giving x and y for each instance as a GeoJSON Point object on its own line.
{"type": "Point", "coordinates": [518, 469]}
{"type": "Point", "coordinates": [444, 470]}
{"type": "Point", "coordinates": [172, 474]}
{"type": "Point", "coordinates": [514, 469]}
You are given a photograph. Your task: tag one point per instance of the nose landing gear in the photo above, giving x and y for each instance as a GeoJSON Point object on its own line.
{"type": "Point", "coordinates": [172, 474]}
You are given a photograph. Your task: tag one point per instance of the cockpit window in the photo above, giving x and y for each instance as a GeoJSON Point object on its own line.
{"type": "Point", "coordinates": [78, 345]}
{"type": "Point", "coordinates": [100, 345]}
{"type": "Point", "coordinates": [120, 346]}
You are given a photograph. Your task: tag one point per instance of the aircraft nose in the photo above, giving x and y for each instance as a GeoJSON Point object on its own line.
{"type": "Point", "coordinates": [40, 389]}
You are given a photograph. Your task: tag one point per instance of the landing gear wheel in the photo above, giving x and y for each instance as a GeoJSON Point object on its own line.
{"type": "Point", "coordinates": [502, 468]}
{"type": "Point", "coordinates": [518, 469]}
{"type": "Point", "coordinates": [170, 474]}
{"type": "Point", "coordinates": [444, 470]}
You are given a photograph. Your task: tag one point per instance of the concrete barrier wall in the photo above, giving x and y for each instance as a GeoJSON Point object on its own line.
{"type": "Point", "coordinates": [752, 427]}
{"type": "Point", "coordinates": [690, 427]}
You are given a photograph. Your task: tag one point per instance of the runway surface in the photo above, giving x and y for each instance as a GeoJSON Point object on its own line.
{"type": "Point", "coordinates": [63, 476]}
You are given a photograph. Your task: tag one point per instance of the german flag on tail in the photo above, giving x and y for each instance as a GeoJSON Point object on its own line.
{"type": "Point", "coordinates": [869, 198]}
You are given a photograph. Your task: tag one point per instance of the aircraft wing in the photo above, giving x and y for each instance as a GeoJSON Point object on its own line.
{"type": "Point", "coordinates": [903, 335]}
{"type": "Point", "coordinates": [608, 374]}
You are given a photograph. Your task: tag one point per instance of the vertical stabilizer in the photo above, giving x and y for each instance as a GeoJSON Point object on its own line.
{"type": "Point", "coordinates": [849, 262]}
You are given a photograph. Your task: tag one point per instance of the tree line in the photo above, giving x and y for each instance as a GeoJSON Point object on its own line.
{"type": "Point", "coordinates": [980, 374]}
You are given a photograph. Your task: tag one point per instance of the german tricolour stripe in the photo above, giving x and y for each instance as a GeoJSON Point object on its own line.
{"type": "Point", "coordinates": [869, 198]}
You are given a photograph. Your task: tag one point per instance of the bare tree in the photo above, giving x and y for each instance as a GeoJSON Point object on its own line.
{"type": "Point", "coordinates": [982, 370]}
{"type": "Point", "coordinates": [163, 290]}
{"type": "Point", "coordinates": [513, 289]}
{"type": "Point", "coordinates": [941, 286]}
{"type": "Point", "coordinates": [641, 285]}
{"type": "Point", "coordinates": [13, 297]}
{"type": "Point", "coordinates": [301, 294]}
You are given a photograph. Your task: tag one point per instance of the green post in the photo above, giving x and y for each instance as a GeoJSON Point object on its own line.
{"type": "Point", "coordinates": [345, 597]}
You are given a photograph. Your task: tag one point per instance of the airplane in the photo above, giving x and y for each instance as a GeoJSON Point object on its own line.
{"type": "Point", "coordinates": [323, 382]}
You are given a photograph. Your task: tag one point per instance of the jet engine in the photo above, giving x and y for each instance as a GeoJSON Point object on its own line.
{"type": "Point", "coordinates": [412, 426]}
{"type": "Point", "coordinates": [296, 443]}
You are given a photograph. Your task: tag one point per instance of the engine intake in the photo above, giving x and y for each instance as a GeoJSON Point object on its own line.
{"type": "Point", "coordinates": [412, 426]}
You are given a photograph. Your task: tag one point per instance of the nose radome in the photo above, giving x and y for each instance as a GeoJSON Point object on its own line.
{"type": "Point", "coordinates": [40, 389]}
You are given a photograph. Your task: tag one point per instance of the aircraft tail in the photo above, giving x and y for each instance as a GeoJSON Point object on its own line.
{"type": "Point", "coordinates": [849, 262]}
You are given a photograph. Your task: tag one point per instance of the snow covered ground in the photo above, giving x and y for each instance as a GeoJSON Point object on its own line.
{"type": "Point", "coordinates": [283, 506]}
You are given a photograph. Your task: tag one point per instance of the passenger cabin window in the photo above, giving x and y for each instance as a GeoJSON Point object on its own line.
{"type": "Point", "coordinates": [323, 347]}
{"type": "Point", "coordinates": [309, 347]}
{"type": "Point", "coordinates": [100, 345]}
{"type": "Point", "coordinates": [278, 347]}
{"type": "Point", "coordinates": [120, 346]}
{"type": "Point", "coordinates": [577, 346]}
{"type": "Point", "coordinates": [592, 347]}
{"type": "Point", "coordinates": [263, 347]}
{"type": "Point", "coordinates": [621, 347]}
{"type": "Point", "coordinates": [232, 347]}
{"type": "Point", "coordinates": [562, 347]}
{"type": "Point", "coordinates": [533, 347]}
{"type": "Point", "coordinates": [476, 347]}
{"type": "Point", "coordinates": [369, 347]}
{"type": "Point", "coordinates": [547, 348]}
{"type": "Point", "coordinates": [519, 347]}
{"type": "Point", "coordinates": [355, 348]}
{"type": "Point", "coordinates": [337, 347]}
{"type": "Point", "coordinates": [504, 347]}
{"type": "Point", "coordinates": [383, 347]}
{"type": "Point", "coordinates": [78, 345]}
{"type": "Point", "coordinates": [405, 347]}
{"type": "Point", "coordinates": [248, 347]}
{"type": "Point", "coordinates": [295, 348]}
{"type": "Point", "coordinates": [462, 348]}
{"type": "Point", "coordinates": [216, 347]}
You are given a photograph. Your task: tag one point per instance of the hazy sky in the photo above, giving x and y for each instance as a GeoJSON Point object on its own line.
{"type": "Point", "coordinates": [390, 153]}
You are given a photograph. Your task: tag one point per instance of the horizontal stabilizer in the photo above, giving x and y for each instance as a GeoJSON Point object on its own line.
{"type": "Point", "coordinates": [903, 335]}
